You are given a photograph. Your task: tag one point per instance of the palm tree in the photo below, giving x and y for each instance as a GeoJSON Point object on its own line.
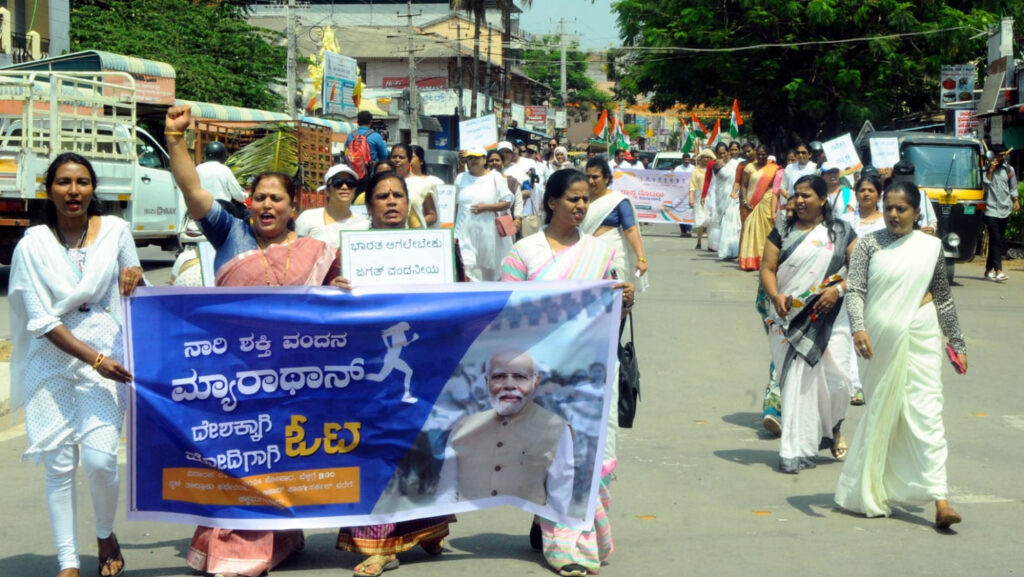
{"type": "Point", "coordinates": [479, 10]}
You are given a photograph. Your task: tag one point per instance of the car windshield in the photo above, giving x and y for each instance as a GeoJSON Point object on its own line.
{"type": "Point", "coordinates": [934, 163]}
{"type": "Point", "coordinates": [666, 163]}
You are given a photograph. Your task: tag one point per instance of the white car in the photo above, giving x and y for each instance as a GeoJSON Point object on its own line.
{"type": "Point", "coordinates": [666, 160]}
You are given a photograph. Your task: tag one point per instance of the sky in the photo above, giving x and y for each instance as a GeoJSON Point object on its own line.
{"type": "Point", "coordinates": [591, 21]}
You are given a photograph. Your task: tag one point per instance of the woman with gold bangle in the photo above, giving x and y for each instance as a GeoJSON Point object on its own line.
{"type": "Point", "coordinates": [261, 250]}
{"type": "Point", "coordinates": [67, 277]}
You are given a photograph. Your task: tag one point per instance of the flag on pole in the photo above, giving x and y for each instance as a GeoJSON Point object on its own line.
{"type": "Point", "coordinates": [715, 133]}
{"type": "Point", "coordinates": [687, 138]}
{"type": "Point", "coordinates": [698, 128]}
{"type": "Point", "coordinates": [619, 140]}
{"type": "Point", "coordinates": [735, 120]}
{"type": "Point", "coordinates": [601, 128]}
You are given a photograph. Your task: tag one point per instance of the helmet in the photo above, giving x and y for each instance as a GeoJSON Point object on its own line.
{"type": "Point", "coordinates": [816, 146]}
{"type": "Point", "coordinates": [215, 151]}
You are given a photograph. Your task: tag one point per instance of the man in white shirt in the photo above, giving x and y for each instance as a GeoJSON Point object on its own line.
{"type": "Point", "coordinates": [217, 178]}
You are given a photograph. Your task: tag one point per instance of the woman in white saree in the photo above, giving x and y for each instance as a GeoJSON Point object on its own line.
{"type": "Point", "coordinates": [899, 299]}
{"type": "Point", "coordinates": [728, 205]}
{"type": "Point", "coordinates": [611, 218]}
{"type": "Point", "coordinates": [802, 272]}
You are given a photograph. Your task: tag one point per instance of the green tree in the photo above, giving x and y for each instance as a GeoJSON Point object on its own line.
{"type": "Point", "coordinates": [217, 56]}
{"type": "Point", "coordinates": [809, 91]}
{"type": "Point", "coordinates": [542, 62]}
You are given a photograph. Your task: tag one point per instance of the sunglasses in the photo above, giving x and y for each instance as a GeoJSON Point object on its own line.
{"type": "Point", "coordinates": [340, 182]}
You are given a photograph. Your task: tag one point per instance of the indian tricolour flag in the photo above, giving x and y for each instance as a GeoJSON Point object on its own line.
{"type": "Point", "coordinates": [735, 120]}
{"type": "Point", "coordinates": [601, 128]}
{"type": "Point", "coordinates": [715, 133]}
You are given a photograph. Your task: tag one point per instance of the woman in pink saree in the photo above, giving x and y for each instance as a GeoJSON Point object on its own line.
{"type": "Point", "coordinates": [261, 251]}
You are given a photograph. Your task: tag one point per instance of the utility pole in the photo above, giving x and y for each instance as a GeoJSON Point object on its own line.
{"type": "Point", "coordinates": [290, 31]}
{"type": "Point", "coordinates": [458, 68]}
{"type": "Point", "coordinates": [413, 116]}
{"type": "Point", "coordinates": [565, 86]}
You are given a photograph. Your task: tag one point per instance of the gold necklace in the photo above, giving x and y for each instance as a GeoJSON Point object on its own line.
{"type": "Point", "coordinates": [267, 270]}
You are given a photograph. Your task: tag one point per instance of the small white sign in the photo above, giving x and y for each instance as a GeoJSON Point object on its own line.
{"type": "Point", "coordinates": [446, 205]}
{"type": "Point", "coordinates": [398, 256]}
{"type": "Point", "coordinates": [842, 153]}
{"type": "Point", "coordinates": [341, 74]}
{"type": "Point", "coordinates": [481, 131]}
{"type": "Point", "coordinates": [885, 152]}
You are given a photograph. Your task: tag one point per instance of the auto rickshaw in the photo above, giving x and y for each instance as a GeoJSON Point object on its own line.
{"type": "Point", "coordinates": [948, 169]}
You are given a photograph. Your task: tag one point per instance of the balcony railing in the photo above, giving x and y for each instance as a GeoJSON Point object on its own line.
{"type": "Point", "coordinates": [21, 50]}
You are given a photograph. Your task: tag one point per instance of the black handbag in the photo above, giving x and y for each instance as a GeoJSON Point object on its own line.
{"type": "Point", "coordinates": [629, 380]}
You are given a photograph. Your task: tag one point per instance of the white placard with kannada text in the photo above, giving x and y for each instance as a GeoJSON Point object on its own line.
{"type": "Point", "coordinates": [400, 256]}
{"type": "Point", "coordinates": [842, 153]}
{"type": "Point", "coordinates": [446, 205]}
{"type": "Point", "coordinates": [885, 152]}
{"type": "Point", "coordinates": [481, 132]}
{"type": "Point", "coordinates": [341, 74]}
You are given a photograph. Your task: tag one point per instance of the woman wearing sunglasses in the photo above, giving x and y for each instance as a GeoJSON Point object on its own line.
{"type": "Point", "coordinates": [325, 224]}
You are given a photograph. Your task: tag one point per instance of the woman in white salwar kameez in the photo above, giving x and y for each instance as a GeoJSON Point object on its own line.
{"type": "Point", "coordinates": [802, 271]}
{"type": "Point", "coordinates": [67, 278]}
{"type": "Point", "coordinates": [483, 194]}
{"type": "Point", "coordinates": [899, 301]}
{"type": "Point", "coordinates": [865, 220]}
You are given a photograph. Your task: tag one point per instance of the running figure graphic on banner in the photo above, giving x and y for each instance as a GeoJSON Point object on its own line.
{"type": "Point", "coordinates": [395, 340]}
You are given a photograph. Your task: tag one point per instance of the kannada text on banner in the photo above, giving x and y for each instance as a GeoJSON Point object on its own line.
{"type": "Point", "coordinates": [313, 407]}
{"type": "Point", "coordinates": [659, 196]}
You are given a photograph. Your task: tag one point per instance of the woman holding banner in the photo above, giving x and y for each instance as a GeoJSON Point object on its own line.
{"type": "Point", "coordinates": [562, 251]}
{"type": "Point", "coordinates": [611, 218]}
{"type": "Point", "coordinates": [761, 201]}
{"type": "Point", "coordinates": [700, 180]}
{"type": "Point", "coordinates": [388, 204]}
{"type": "Point", "coordinates": [326, 223]}
{"type": "Point", "coordinates": [67, 277]}
{"type": "Point", "coordinates": [261, 251]}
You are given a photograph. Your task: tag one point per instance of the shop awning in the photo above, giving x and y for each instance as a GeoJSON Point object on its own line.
{"type": "Point", "coordinates": [154, 81]}
{"type": "Point", "coordinates": [210, 111]}
{"type": "Point", "coordinates": [336, 126]}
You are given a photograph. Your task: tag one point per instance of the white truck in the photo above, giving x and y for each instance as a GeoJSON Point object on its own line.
{"type": "Point", "coordinates": [43, 114]}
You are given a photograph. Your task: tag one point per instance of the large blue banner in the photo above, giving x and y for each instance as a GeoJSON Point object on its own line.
{"type": "Point", "coordinates": [314, 407]}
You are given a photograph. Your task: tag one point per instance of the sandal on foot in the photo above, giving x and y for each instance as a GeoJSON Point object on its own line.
{"type": "Point", "coordinates": [772, 424]}
{"type": "Point", "coordinates": [104, 569]}
{"type": "Point", "coordinates": [945, 517]}
{"type": "Point", "coordinates": [857, 399]}
{"type": "Point", "coordinates": [839, 448]}
{"type": "Point", "coordinates": [382, 562]}
{"type": "Point", "coordinates": [433, 548]}
{"type": "Point", "coordinates": [573, 570]}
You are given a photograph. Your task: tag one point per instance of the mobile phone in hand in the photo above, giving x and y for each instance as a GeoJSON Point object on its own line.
{"type": "Point", "coordinates": [955, 360]}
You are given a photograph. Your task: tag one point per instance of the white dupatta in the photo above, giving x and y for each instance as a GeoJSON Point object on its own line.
{"type": "Point", "coordinates": [625, 258]}
{"type": "Point", "coordinates": [41, 266]}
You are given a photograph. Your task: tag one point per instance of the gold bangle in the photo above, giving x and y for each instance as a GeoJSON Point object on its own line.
{"type": "Point", "coordinates": [642, 259]}
{"type": "Point", "coordinates": [173, 133]}
{"type": "Point", "coordinates": [99, 361]}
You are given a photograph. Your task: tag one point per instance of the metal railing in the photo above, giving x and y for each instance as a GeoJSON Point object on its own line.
{"type": "Point", "coordinates": [21, 48]}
